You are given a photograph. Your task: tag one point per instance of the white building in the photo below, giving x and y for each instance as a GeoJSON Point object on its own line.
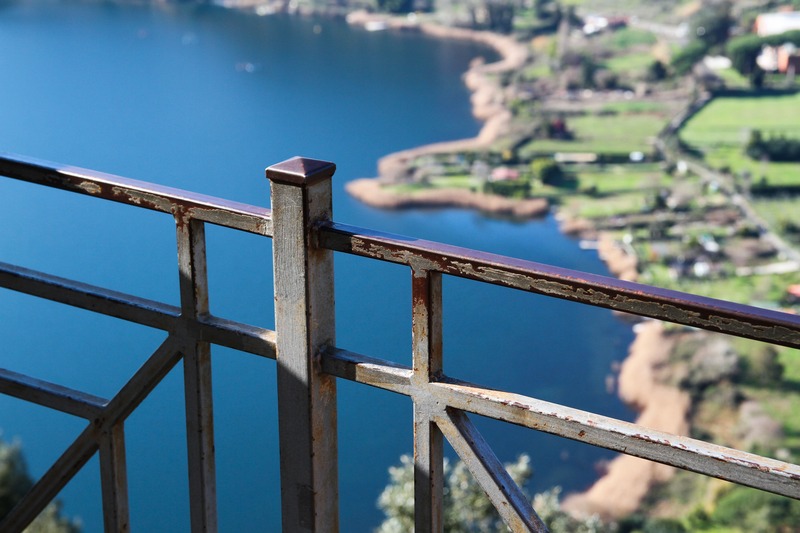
{"type": "Point", "coordinates": [775, 23]}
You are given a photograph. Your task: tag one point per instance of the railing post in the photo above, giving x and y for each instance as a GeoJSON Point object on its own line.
{"type": "Point", "coordinates": [304, 324]}
{"type": "Point", "coordinates": [426, 337]}
{"type": "Point", "coordinates": [191, 238]}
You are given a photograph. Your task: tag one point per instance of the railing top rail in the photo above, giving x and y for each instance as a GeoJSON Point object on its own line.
{"type": "Point", "coordinates": [305, 327]}
{"type": "Point", "coordinates": [601, 291]}
{"type": "Point", "coordinates": [236, 215]}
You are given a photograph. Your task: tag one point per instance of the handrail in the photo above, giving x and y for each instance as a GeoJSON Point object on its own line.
{"type": "Point", "coordinates": [235, 215]}
{"type": "Point", "coordinates": [591, 289]}
{"type": "Point", "coordinates": [309, 361]}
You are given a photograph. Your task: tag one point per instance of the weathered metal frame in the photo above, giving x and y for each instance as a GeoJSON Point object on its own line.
{"type": "Point", "coordinates": [308, 360]}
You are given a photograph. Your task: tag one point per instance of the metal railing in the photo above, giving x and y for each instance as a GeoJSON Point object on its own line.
{"type": "Point", "coordinates": [309, 362]}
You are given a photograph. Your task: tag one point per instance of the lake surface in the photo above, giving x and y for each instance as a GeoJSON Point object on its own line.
{"type": "Point", "coordinates": [204, 99]}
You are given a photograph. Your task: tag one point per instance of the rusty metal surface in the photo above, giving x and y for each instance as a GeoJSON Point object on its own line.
{"type": "Point", "coordinates": [216, 330]}
{"type": "Point", "coordinates": [509, 500]}
{"type": "Point", "coordinates": [50, 395]}
{"type": "Point", "coordinates": [114, 479]}
{"type": "Point", "coordinates": [691, 454]}
{"type": "Point", "coordinates": [426, 342]}
{"type": "Point", "coordinates": [300, 171]}
{"type": "Point", "coordinates": [305, 324]}
{"type": "Point", "coordinates": [308, 360]}
{"type": "Point", "coordinates": [197, 380]}
{"type": "Point", "coordinates": [87, 444]}
{"type": "Point", "coordinates": [643, 300]}
{"type": "Point", "coordinates": [687, 453]}
{"type": "Point", "coordinates": [236, 215]}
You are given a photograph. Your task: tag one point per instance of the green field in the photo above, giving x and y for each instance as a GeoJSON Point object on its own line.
{"type": "Point", "coordinates": [634, 64]}
{"type": "Point", "coordinates": [617, 189]}
{"type": "Point", "coordinates": [615, 133]}
{"type": "Point", "coordinates": [459, 181]}
{"type": "Point", "coordinates": [722, 129]}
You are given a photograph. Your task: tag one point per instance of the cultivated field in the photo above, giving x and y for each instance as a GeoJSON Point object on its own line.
{"type": "Point", "coordinates": [721, 130]}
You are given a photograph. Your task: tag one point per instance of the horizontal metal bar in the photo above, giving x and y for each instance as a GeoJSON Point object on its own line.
{"type": "Point", "coordinates": [601, 291]}
{"type": "Point", "coordinates": [687, 453]}
{"type": "Point", "coordinates": [690, 454]}
{"type": "Point", "coordinates": [142, 311]}
{"type": "Point", "coordinates": [50, 395]}
{"type": "Point", "coordinates": [244, 217]}
{"type": "Point", "coordinates": [92, 298]}
{"type": "Point", "coordinates": [367, 370]}
{"type": "Point", "coordinates": [237, 335]}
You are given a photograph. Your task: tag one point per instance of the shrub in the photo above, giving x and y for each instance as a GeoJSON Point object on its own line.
{"type": "Point", "coordinates": [466, 507]}
{"type": "Point", "coordinates": [762, 367]}
{"type": "Point", "coordinates": [776, 148]}
{"type": "Point", "coordinates": [756, 511]}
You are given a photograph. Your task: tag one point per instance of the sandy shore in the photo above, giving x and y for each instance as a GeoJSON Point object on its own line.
{"type": "Point", "coordinates": [370, 192]}
{"type": "Point", "coordinates": [488, 105]}
{"type": "Point", "coordinates": [619, 260]}
{"type": "Point", "coordinates": [628, 479]}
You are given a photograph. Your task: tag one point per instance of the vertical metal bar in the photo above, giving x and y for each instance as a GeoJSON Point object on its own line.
{"type": "Point", "coordinates": [426, 338]}
{"type": "Point", "coordinates": [304, 324]}
{"type": "Point", "coordinates": [114, 479]}
{"type": "Point", "coordinates": [197, 375]}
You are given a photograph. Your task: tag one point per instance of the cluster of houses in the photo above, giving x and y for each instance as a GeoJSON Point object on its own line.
{"type": "Point", "coordinates": [784, 58]}
{"type": "Point", "coordinates": [593, 24]}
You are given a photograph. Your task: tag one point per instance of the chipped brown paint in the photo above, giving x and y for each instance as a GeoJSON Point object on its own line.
{"type": "Point", "coordinates": [252, 219]}
{"type": "Point", "coordinates": [90, 187]}
{"type": "Point", "coordinates": [436, 397]}
{"type": "Point", "coordinates": [673, 306]}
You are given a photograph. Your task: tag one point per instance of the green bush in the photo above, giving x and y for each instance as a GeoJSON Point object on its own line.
{"type": "Point", "coordinates": [757, 511]}
{"type": "Point", "coordinates": [15, 482]}
{"type": "Point", "coordinates": [466, 508]}
{"type": "Point", "coordinates": [690, 54]}
{"type": "Point", "coordinates": [519, 188]}
{"type": "Point", "coordinates": [763, 367]}
{"type": "Point", "coordinates": [775, 148]}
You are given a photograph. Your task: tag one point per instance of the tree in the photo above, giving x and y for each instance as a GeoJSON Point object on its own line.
{"type": "Point", "coordinates": [396, 6]}
{"type": "Point", "coordinates": [690, 54]}
{"type": "Point", "coordinates": [15, 482]}
{"type": "Point", "coordinates": [549, 172]}
{"type": "Point", "coordinates": [466, 507]}
{"type": "Point", "coordinates": [656, 71]}
{"type": "Point", "coordinates": [763, 367]}
{"type": "Point", "coordinates": [756, 511]}
{"type": "Point", "coordinates": [743, 52]}
{"type": "Point", "coordinates": [501, 15]}
{"type": "Point", "coordinates": [775, 148]}
{"type": "Point", "coordinates": [712, 24]}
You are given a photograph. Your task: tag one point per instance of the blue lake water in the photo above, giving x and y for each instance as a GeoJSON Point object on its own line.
{"type": "Point", "coordinates": [203, 98]}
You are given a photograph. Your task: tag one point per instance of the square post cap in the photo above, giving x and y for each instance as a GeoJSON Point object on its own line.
{"type": "Point", "coordinates": [300, 171]}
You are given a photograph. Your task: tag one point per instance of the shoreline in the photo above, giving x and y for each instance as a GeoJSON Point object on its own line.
{"type": "Point", "coordinates": [621, 489]}
{"type": "Point", "coordinates": [628, 479]}
{"type": "Point", "coordinates": [488, 105]}
{"type": "Point", "coordinates": [371, 192]}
